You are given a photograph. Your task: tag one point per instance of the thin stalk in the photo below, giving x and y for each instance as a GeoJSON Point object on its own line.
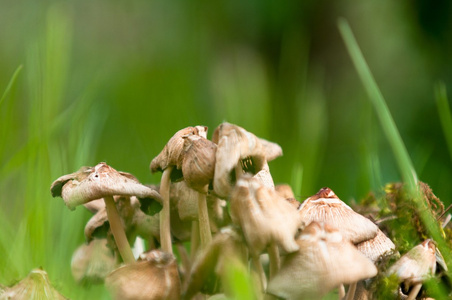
{"type": "Point", "coordinates": [260, 272]}
{"type": "Point", "coordinates": [118, 231]}
{"type": "Point", "coordinates": [273, 254]}
{"type": "Point", "coordinates": [204, 225]}
{"type": "Point", "coordinates": [341, 291]}
{"type": "Point", "coordinates": [414, 291]}
{"type": "Point", "coordinates": [351, 291]}
{"type": "Point", "coordinates": [444, 113]}
{"type": "Point", "coordinates": [165, 229]}
{"type": "Point", "coordinates": [386, 121]}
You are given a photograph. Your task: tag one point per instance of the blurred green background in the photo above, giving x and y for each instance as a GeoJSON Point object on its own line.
{"type": "Point", "coordinates": [91, 81]}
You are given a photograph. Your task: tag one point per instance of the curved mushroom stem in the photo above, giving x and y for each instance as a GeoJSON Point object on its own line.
{"type": "Point", "coordinates": [341, 291]}
{"type": "Point", "coordinates": [204, 225]}
{"type": "Point", "coordinates": [118, 230]}
{"type": "Point", "coordinates": [165, 229]}
{"type": "Point", "coordinates": [414, 291]}
{"type": "Point", "coordinates": [351, 291]}
{"type": "Point", "coordinates": [260, 272]}
{"type": "Point", "coordinates": [273, 254]}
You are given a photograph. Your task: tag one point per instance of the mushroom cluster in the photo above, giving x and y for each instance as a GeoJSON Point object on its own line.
{"type": "Point", "coordinates": [217, 206]}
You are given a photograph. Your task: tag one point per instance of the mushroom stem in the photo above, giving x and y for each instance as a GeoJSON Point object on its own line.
{"type": "Point", "coordinates": [204, 225]}
{"type": "Point", "coordinates": [351, 291]}
{"type": "Point", "coordinates": [341, 291]}
{"type": "Point", "coordinates": [165, 230]}
{"type": "Point", "coordinates": [194, 242]}
{"type": "Point", "coordinates": [260, 272]}
{"type": "Point", "coordinates": [118, 230]}
{"type": "Point", "coordinates": [273, 254]}
{"type": "Point", "coordinates": [414, 291]}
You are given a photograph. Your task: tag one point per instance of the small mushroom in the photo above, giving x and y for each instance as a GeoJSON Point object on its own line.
{"type": "Point", "coordinates": [92, 262]}
{"type": "Point", "coordinates": [102, 181]}
{"type": "Point", "coordinates": [266, 219]}
{"type": "Point", "coordinates": [324, 261]}
{"type": "Point", "coordinates": [284, 190]}
{"type": "Point", "coordinates": [238, 152]}
{"type": "Point", "coordinates": [153, 277]}
{"type": "Point", "coordinates": [415, 266]}
{"type": "Point", "coordinates": [325, 206]}
{"type": "Point", "coordinates": [35, 286]}
{"type": "Point", "coordinates": [169, 160]}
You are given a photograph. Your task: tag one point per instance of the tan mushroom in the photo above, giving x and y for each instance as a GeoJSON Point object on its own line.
{"type": "Point", "coordinates": [102, 181]}
{"type": "Point", "coordinates": [325, 206]}
{"type": "Point", "coordinates": [266, 219]}
{"type": "Point", "coordinates": [198, 166]}
{"type": "Point", "coordinates": [35, 286]}
{"type": "Point", "coordinates": [169, 160]}
{"type": "Point", "coordinates": [415, 266]}
{"type": "Point", "coordinates": [324, 261]}
{"type": "Point", "coordinates": [154, 277]}
{"type": "Point", "coordinates": [238, 152]}
{"type": "Point", "coordinates": [92, 262]}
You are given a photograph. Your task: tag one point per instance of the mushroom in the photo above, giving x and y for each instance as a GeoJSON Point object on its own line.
{"type": "Point", "coordinates": [35, 286]}
{"type": "Point", "coordinates": [198, 165]}
{"type": "Point", "coordinates": [102, 181]}
{"type": "Point", "coordinates": [324, 261]}
{"type": "Point", "coordinates": [240, 151]}
{"type": "Point", "coordinates": [169, 159]}
{"type": "Point", "coordinates": [415, 266]}
{"type": "Point", "coordinates": [266, 219]}
{"type": "Point", "coordinates": [325, 206]}
{"type": "Point", "coordinates": [92, 262]}
{"type": "Point", "coordinates": [153, 277]}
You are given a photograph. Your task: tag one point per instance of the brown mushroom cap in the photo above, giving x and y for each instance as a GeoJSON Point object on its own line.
{"type": "Point", "coordinates": [325, 206]}
{"type": "Point", "coordinates": [264, 216]}
{"type": "Point", "coordinates": [234, 145]}
{"type": "Point", "coordinates": [155, 277]}
{"type": "Point", "coordinates": [416, 265]}
{"type": "Point", "coordinates": [198, 162]}
{"type": "Point", "coordinates": [170, 155]}
{"type": "Point", "coordinates": [92, 262]}
{"type": "Point", "coordinates": [324, 261]}
{"type": "Point", "coordinates": [35, 286]}
{"type": "Point", "coordinates": [377, 247]}
{"type": "Point", "coordinates": [98, 182]}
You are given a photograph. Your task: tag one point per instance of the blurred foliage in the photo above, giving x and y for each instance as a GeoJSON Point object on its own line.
{"type": "Point", "coordinates": [112, 81]}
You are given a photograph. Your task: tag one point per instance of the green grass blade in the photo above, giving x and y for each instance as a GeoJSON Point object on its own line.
{"type": "Point", "coordinates": [444, 113]}
{"type": "Point", "coordinates": [386, 121]}
{"type": "Point", "coordinates": [392, 134]}
{"type": "Point", "coordinates": [11, 83]}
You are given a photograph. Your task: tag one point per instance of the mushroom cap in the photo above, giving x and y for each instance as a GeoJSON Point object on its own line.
{"type": "Point", "coordinates": [93, 262]}
{"type": "Point", "coordinates": [198, 162]}
{"type": "Point", "coordinates": [323, 262]}
{"type": "Point", "coordinates": [235, 144]}
{"type": "Point", "coordinates": [98, 182]}
{"type": "Point", "coordinates": [416, 265]}
{"type": "Point", "coordinates": [35, 286]}
{"type": "Point", "coordinates": [325, 206]}
{"type": "Point", "coordinates": [263, 216]}
{"type": "Point", "coordinates": [377, 247]}
{"type": "Point", "coordinates": [171, 153]}
{"type": "Point", "coordinates": [155, 277]}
